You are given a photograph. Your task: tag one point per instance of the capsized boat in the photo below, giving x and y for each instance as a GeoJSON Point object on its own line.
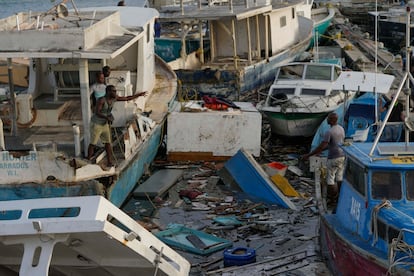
{"type": "Point", "coordinates": [245, 44]}
{"type": "Point", "coordinates": [94, 237]}
{"type": "Point", "coordinates": [371, 232]}
{"type": "Point", "coordinates": [301, 97]}
{"type": "Point", "coordinates": [42, 156]}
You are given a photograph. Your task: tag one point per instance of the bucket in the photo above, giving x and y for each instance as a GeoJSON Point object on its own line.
{"type": "Point", "coordinates": [275, 168]}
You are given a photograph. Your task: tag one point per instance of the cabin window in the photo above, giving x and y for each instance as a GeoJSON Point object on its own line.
{"type": "Point", "coordinates": [386, 185]}
{"type": "Point", "coordinates": [149, 31]}
{"type": "Point", "coordinates": [283, 21]}
{"type": "Point", "coordinates": [286, 91]}
{"type": "Point", "coordinates": [386, 232]}
{"type": "Point", "coordinates": [294, 13]}
{"type": "Point", "coordinates": [318, 73]}
{"type": "Point", "coordinates": [355, 176]}
{"type": "Point", "coordinates": [337, 72]}
{"type": "Point", "coordinates": [313, 92]}
{"type": "Point", "coordinates": [291, 72]}
{"type": "Point", "coordinates": [409, 180]}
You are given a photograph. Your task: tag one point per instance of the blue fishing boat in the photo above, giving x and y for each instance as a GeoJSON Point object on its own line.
{"type": "Point", "coordinates": [358, 115]}
{"type": "Point", "coordinates": [371, 231]}
{"type": "Point", "coordinates": [43, 155]}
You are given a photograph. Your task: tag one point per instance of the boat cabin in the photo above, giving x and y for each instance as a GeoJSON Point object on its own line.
{"type": "Point", "coordinates": [377, 197]}
{"type": "Point", "coordinates": [302, 79]}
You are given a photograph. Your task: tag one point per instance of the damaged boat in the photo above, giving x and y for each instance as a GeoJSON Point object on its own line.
{"type": "Point", "coordinates": [371, 232]}
{"type": "Point", "coordinates": [42, 155]}
{"type": "Point", "coordinates": [301, 97]}
{"type": "Point", "coordinates": [245, 44]}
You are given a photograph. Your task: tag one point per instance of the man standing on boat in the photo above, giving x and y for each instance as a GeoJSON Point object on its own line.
{"type": "Point", "coordinates": [332, 139]}
{"type": "Point", "coordinates": [101, 120]}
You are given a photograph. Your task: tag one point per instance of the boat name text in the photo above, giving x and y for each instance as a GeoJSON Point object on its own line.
{"type": "Point", "coordinates": [12, 164]}
{"type": "Point", "coordinates": [355, 209]}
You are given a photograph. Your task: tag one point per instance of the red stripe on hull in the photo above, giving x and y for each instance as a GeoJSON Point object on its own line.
{"type": "Point", "coordinates": [344, 259]}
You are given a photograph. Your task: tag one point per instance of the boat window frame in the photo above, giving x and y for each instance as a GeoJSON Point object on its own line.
{"type": "Point", "coordinates": [380, 178]}
{"type": "Point", "coordinates": [385, 231]}
{"type": "Point", "coordinates": [313, 92]}
{"type": "Point", "coordinates": [361, 189]}
{"type": "Point", "coordinates": [407, 182]}
{"type": "Point", "coordinates": [313, 72]}
{"type": "Point", "coordinates": [283, 21]}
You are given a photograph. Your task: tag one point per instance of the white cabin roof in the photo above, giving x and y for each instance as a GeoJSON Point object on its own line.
{"type": "Point", "coordinates": [97, 33]}
{"type": "Point", "coordinates": [364, 82]}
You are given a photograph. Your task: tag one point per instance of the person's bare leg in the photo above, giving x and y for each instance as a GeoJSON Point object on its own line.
{"type": "Point", "coordinates": [108, 149]}
{"type": "Point", "coordinates": [91, 149]}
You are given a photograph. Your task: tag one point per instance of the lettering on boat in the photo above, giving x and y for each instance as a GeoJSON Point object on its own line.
{"type": "Point", "coordinates": [12, 164]}
{"type": "Point", "coordinates": [355, 208]}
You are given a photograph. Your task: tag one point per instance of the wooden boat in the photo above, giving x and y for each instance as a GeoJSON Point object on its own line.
{"type": "Point", "coordinates": [371, 232]}
{"type": "Point", "coordinates": [94, 237]}
{"type": "Point", "coordinates": [244, 45]}
{"type": "Point", "coordinates": [301, 97]}
{"type": "Point", "coordinates": [43, 154]}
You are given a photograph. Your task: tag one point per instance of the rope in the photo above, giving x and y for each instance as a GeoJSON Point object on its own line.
{"type": "Point", "coordinates": [398, 245]}
{"type": "Point", "coordinates": [375, 211]}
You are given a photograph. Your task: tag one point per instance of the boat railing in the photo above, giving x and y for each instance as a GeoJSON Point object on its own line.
{"type": "Point", "coordinates": [230, 3]}
{"type": "Point", "coordinates": [398, 245]}
{"type": "Point", "coordinates": [89, 214]}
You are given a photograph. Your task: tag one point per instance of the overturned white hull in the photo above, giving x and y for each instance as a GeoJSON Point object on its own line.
{"type": "Point", "coordinates": [94, 238]}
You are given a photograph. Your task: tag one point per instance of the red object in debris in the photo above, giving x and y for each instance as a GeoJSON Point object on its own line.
{"type": "Point", "coordinates": [214, 103]}
{"type": "Point", "coordinates": [216, 106]}
{"type": "Point", "coordinates": [276, 168]}
{"type": "Point", "coordinates": [191, 194]}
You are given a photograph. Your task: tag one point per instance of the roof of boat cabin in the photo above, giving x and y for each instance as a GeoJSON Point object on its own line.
{"type": "Point", "coordinates": [132, 20]}
{"type": "Point", "coordinates": [213, 13]}
{"type": "Point", "coordinates": [384, 155]}
{"type": "Point", "coordinates": [364, 82]}
{"type": "Point", "coordinates": [223, 11]}
{"type": "Point", "coordinates": [130, 16]}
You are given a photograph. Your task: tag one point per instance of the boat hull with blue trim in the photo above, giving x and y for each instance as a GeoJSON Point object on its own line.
{"type": "Point", "coordinates": [46, 158]}
{"type": "Point", "coordinates": [372, 230]}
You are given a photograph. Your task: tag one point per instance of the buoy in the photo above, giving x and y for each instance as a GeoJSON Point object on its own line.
{"type": "Point", "coordinates": [239, 256]}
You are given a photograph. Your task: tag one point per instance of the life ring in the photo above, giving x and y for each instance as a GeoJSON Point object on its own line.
{"type": "Point", "coordinates": [359, 123]}
{"type": "Point", "coordinates": [239, 256]}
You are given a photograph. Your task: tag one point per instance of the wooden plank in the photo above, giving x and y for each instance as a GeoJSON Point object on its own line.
{"type": "Point", "coordinates": [195, 156]}
{"type": "Point", "coordinates": [158, 183]}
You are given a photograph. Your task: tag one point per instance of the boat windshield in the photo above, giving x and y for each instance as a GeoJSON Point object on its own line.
{"type": "Point", "coordinates": [409, 180]}
{"type": "Point", "coordinates": [317, 72]}
{"type": "Point", "coordinates": [291, 72]}
{"type": "Point", "coordinates": [386, 185]}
